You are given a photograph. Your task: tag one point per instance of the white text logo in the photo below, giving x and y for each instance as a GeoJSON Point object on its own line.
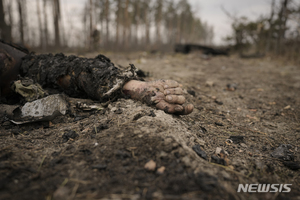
{"type": "Point", "coordinates": [264, 188]}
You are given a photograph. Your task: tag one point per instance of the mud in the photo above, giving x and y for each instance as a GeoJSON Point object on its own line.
{"type": "Point", "coordinates": [102, 154]}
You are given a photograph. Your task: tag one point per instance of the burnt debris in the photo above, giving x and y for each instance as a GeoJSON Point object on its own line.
{"type": "Point", "coordinates": [188, 48]}
{"type": "Point", "coordinates": [77, 77]}
{"type": "Point", "coordinates": [96, 78]}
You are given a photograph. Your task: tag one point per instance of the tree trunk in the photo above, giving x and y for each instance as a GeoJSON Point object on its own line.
{"type": "Point", "coordinates": [21, 23]}
{"type": "Point", "coordinates": [4, 28]}
{"type": "Point", "coordinates": [129, 22]}
{"type": "Point", "coordinates": [270, 32]}
{"type": "Point", "coordinates": [101, 19]}
{"type": "Point", "coordinates": [282, 17]}
{"type": "Point", "coordinates": [45, 25]}
{"type": "Point", "coordinates": [107, 22]}
{"type": "Point", "coordinates": [40, 23]}
{"type": "Point", "coordinates": [125, 25]}
{"type": "Point", "coordinates": [178, 31]}
{"type": "Point", "coordinates": [158, 21]}
{"type": "Point", "coordinates": [118, 23]}
{"type": "Point", "coordinates": [170, 33]}
{"type": "Point", "coordinates": [10, 17]}
{"type": "Point", "coordinates": [85, 25]}
{"type": "Point", "coordinates": [91, 25]}
{"type": "Point", "coordinates": [63, 39]}
{"type": "Point", "coordinates": [56, 15]}
{"type": "Point", "coordinates": [137, 18]}
{"type": "Point", "coordinates": [147, 28]}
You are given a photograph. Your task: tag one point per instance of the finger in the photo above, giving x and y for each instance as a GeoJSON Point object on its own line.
{"type": "Point", "coordinates": [175, 99]}
{"type": "Point", "coordinates": [175, 109]}
{"type": "Point", "coordinates": [169, 108]}
{"type": "Point", "coordinates": [173, 91]}
{"type": "Point", "coordinates": [170, 84]}
{"type": "Point", "coordinates": [186, 110]}
{"type": "Point", "coordinates": [158, 97]}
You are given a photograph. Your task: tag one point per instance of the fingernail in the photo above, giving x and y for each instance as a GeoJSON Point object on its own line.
{"type": "Point", "coordinates": [169, 98]}
{"type": "Point", "coordinates": [178, 108]}
{"type": "Point", "coordinates": [168, 92]}
{"type": "Point", "coordinates": [166, 86]}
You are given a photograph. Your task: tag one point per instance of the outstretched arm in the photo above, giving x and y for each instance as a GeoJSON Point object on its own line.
{"type": "Point", "coordinates": [96, 78]}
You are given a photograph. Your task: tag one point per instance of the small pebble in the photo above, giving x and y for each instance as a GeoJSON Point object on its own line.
{"type": "Point", "coordinates": [161, 170]}
{"type": "Point", "coordinates": [243, 145]}
{"type": "Point", "coordinates": [209, 83]}
{"type": "Point", "coordinates": [151, 165]}
{"type": "Point", "coordinates": [218, 150]}
{"type": "Point", "coordinates": [113, 109]}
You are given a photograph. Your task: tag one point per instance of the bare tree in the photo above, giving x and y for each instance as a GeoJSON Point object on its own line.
{"type": "Point", "coordinates": [85, 25]}
{"type": "Point", "coordinates": [4, 27]}
{"type": "Point", "coordinates": [10, 15]}
{"type": "Point", "coordinates": [129, 21]}
{"type": "Point", "coordinates": [40, 22]}
{"type": "Point", "coordinates": [178, 30]}
{"type": "Point", "coordinates": [146, 20]}
{"type": "Point", "coordinates": [118, 20]}
{"type": "Point", "coordinates": [107, 7]}
{"type": "Point", "coordinates": [125, 24]}
{"type": "Point", "coordinates": [91, 23]}
{"type": "Point", "coordinates": [101, 14]}
{"type": "Point", "coordinates": [56, 15]}
{"type": "Point", "coordinates": [133, 20]}
{"type": "Point", "coordinates": [21, 20]}
{"type": "Point", "coordinates": [136, 19]}
{"type": "Point", "coordinates": [282, 19]}
{"type": "Point", "coordinates": [170, 18]}
{"type": "Point", "coordinates": [45, 24]}
{"type": "Point", "coordinates": [158, 19]}
{"type": "Point", "coordinates": [270, 31]}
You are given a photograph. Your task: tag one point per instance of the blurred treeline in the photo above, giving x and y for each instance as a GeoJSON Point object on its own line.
{"type": "Point", "coordinates": [104, 24]}
{"type": "Point", "coordinates": [276, 33]}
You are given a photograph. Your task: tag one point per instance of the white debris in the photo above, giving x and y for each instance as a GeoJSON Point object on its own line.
{"type": "Point", "coordinates": [151, 165]}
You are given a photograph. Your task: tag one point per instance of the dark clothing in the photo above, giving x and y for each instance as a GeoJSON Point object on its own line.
{"type": "Point", "coordinates": [97, 78]}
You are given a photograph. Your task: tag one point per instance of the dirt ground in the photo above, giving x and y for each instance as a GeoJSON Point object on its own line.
{"type": "Point", "coordinates": [246, 108]}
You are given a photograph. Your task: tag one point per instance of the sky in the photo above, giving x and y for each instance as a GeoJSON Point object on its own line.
{"type": "Point", "coordinates": [211, 12]}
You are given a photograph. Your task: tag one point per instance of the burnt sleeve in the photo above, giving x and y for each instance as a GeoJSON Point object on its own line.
{"type": "Point", "coordinates": [97, 78]}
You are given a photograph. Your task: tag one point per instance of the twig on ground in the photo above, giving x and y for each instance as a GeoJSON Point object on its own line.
{"type": "Point", "coordinates": [41, 163]}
